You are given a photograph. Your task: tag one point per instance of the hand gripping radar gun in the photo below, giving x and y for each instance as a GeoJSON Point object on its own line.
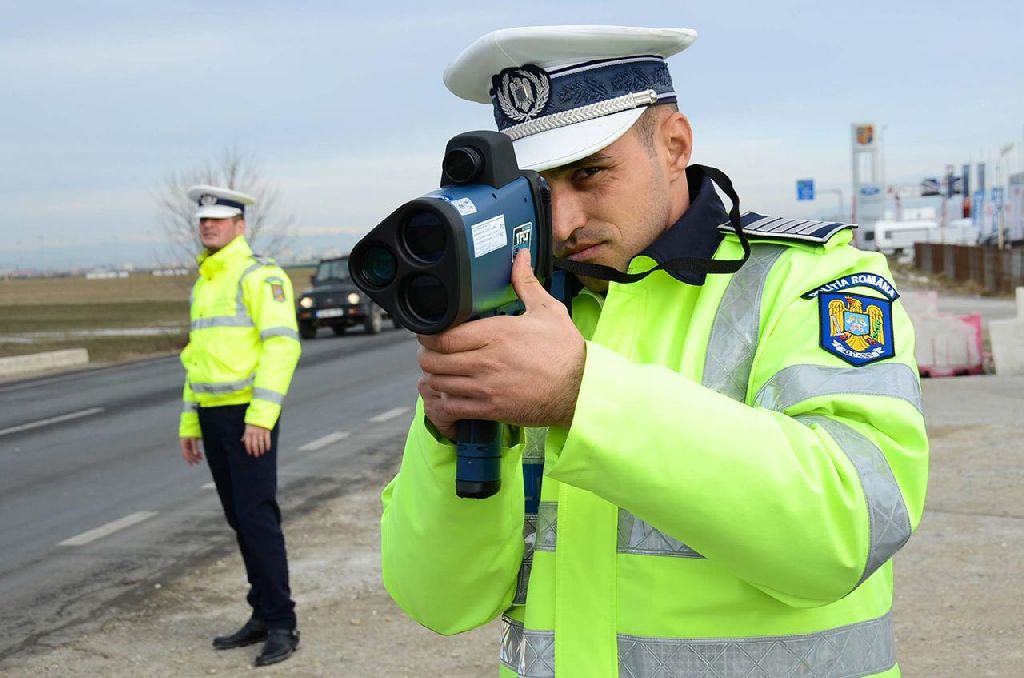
{"type": "Point", "coordinates": [446, 257]}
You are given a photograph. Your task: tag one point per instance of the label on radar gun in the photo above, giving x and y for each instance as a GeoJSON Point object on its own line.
{"type": "Point", "coordinates": [489, 235]}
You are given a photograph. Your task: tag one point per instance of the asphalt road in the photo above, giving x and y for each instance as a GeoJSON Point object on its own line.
{"type": "Point", "coordinates": [94, 494]}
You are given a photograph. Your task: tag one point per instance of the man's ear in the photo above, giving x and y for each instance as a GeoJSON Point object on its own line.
{"type": "Point", "coordinates": [677, 140]}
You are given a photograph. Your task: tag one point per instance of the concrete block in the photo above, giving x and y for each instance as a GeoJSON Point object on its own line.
{"type": "Point", "coordinates": [1008, 341]}
{"type": "Point", "coordinates": [40, 362]}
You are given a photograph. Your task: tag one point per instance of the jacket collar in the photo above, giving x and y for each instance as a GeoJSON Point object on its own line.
{"type": "Point", "coordinates": [696, 233]}
{"type": "Point", "coordinates": [211, 263]}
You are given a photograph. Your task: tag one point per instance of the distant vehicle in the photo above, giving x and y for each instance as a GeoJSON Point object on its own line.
{"type": "Point", "coordinates": [898, 237]}
{"type": "Point", "coordinates": [334, 301]}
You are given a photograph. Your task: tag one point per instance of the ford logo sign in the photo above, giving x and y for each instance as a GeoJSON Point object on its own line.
{"type": "Point", "coordinates": [870, 190]}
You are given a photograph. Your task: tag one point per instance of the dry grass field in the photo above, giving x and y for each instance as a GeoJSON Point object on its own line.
{"type": "Point", "coordinates": [118, 319]}
{"type": "Point", "coordinates": [41, 291]}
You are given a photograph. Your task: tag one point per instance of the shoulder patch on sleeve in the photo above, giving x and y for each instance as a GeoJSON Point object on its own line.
{"type": "Point", "coordinates": [277, 288]}
{"type": "Point", "coordinates": [862, 279]}
{"type": "Point", "coordinates": [779, 228]}
{"type": "Point", "coordinates": [856, 328]}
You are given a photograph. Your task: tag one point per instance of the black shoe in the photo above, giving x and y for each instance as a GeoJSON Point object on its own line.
{"type": "Point", "coordinates": [252, 632]}
{"type": "Point", "coordinates": [279, 646]}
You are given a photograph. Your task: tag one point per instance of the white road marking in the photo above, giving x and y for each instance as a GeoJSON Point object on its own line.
{"type": "Point", "coordinates": [390, 414]}
{"type": "Point", "coordinates": [51, 420]}
{"type": "Point", "coordinates": [324, 442]}
{"type": "Point", "coordinates": [209, 486]}
{"type": "Point", "coordinates": [109, 528]}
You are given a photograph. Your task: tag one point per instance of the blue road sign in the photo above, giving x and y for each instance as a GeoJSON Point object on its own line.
{"type": "Point", "coordinates": [997, 197]}
{"type": "Point", "coordinates": [805, 189]}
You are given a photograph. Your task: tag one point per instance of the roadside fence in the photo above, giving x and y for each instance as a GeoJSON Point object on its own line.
{"type": "Point", "coordinates": [997, 271]}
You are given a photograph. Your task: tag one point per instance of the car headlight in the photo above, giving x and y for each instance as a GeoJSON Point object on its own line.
{"type": "Point", "coordinates": [306, 302]}
{"type": "Point", "coordinates": [353, 298]}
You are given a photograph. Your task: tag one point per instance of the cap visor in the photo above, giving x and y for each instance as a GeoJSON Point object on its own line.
{"type": "Point", "coordinates": [564, 145]}
{"type": "Point", "coordinates": [217, 212]}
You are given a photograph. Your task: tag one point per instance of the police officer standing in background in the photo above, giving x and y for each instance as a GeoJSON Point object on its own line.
{"type": "Point", "coordinates": [242, 351]}
{"type": "Point", "coordinates": [729, 414]}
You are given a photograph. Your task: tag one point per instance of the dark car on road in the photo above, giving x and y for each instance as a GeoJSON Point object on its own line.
{"type": "Point", "coordinates": [334, 301]}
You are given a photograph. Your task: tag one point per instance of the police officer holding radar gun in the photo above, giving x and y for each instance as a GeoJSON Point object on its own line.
{"type": "Point", "coordinates": [242, 350]}
{"type": "Point", "coordinates": [711, 440]}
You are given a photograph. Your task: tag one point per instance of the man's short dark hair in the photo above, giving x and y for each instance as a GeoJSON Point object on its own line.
{"type": "Point", "coordinates": [647, 123]}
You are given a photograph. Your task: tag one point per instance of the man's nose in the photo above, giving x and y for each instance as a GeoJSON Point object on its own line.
{"type": "Point", "coordinates": [567, 213]}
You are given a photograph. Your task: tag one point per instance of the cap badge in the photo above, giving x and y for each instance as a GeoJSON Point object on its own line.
{"type": "Point", "coordinates": [208, 200]}
{"type": "Point", "coordinates": [523, 92]}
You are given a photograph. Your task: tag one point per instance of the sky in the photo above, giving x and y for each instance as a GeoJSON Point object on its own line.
{"type": "Point", "coordinates": [342, 106]}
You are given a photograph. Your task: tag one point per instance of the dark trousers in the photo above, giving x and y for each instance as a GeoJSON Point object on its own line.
{"type": "Point", "coordinates": [247, 487]}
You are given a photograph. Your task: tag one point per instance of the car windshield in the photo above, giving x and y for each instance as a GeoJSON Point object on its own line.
{"type": "Point", "coordinates": [336, 269]}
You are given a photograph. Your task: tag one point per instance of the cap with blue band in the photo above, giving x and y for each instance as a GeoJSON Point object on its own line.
{"type": "Point", "coordinates": [564, 92]}
{"type": "Point", "coordinates": [528, 99]}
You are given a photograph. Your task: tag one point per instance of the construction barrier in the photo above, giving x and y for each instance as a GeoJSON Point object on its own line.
{"type": "Point", "coordinates": [947, 344]}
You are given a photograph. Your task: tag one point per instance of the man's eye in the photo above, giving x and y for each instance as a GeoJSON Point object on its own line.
{"type": "Point", "coordinates": [584, 173]}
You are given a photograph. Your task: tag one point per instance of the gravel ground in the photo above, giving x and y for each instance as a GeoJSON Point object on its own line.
{"type": "Point", "coordinates": [957, 604]}
{"type": "Point", "coordinates": [348, 623]}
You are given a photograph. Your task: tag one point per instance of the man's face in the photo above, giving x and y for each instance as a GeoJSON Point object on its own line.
{"type": "Point", "coordinates": [608, 207]}
{"type": "Point", "coordinates": [216, 233]}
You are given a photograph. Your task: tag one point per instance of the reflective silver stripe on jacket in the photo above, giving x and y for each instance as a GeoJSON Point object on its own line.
{"type": "Point", "coordinates": [888, 518]}
{"type": "Point", "coordinates": [798, 383]}
{"type": "Point", "coordinates": [222, 321]}
{"type": "Point", "coordinates": [279, 332]}
{"type": "Point", "coordinates": [226, 387]}
{"type": "Point", "coordinates": [525, 567]}
{"type": "Point", "coordinates": [547, 525]}
{"type": "Point", "coordinates": [639, 538]}
{"type": "Point", "coordinates": [531, 654]}
{"type": "Point", "coordinates": [538, 535]}
{"type": "Point", "coordinates": [634, 535]}
{"type": "Point", "coordinates": [737, 324]}
{"type": "Point", "coordinates": [860, 649]}
{"type": "Point", "coordinates": [189, 406]}
{"type": "Point", "coordinates": [275, 397]}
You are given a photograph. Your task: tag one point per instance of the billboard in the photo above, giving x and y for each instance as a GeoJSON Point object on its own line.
{"type": "Point", "coordinates": [864, 136]}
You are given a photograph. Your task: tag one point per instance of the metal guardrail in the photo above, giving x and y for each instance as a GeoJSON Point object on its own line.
{"type": "Point", "coordinates": [997, 271]}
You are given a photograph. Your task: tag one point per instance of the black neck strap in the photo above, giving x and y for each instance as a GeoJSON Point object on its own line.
{"type": "Point", "coordinates": [689, 264]}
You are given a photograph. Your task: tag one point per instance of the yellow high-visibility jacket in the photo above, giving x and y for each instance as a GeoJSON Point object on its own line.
{"type": "Point", "coordinates": [244, 342]}
{"type": "Point", "coordinates": [745, 458]}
